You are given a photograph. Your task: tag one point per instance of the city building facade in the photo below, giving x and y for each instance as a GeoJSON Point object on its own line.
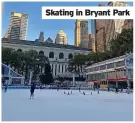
{"type": "Point", "coordinates": [108, 29]}
{"type": "Point", "coordinates": [17, 28]}
{"type": "Point", "coordinates": [118, 22]}
{"type": "Point", "coordinates": [61, 38]}
{"type": "Point", "coordinates": [112, 73]}
{"type": "Point", "coordinates": [58, 54]}
{"type": "Point", "coordinates": [81, 33]}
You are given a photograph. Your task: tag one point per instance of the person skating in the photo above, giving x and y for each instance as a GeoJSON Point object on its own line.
{"type": "Point", "coordinates": [121, 89]}
{"type": "Point", "coordinates": [83, 93]}
{"type": "Point", "coordinates": [116, 90]}
{"type": "Point", "coordinates": [40, 87]}
{"type": "Point", "coordinates": [127, 90]}
{"type": "Point", "coordinates": [108, 89]}
{"type": "Point", "coordinates": [32, 89]}
{"type": "Point", "coordinates": [79, 89]}
{"type": "Point", "coordinates": [98, 89]}
{"type": "Point", "coordinates": [57, 87]}
{"type": "Point", "coordinates": [94, 88]}
{"type": "Point", "coordinates": [6, 86]}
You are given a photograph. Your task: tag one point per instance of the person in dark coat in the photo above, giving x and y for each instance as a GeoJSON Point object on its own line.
{"type": "Point", "coordinates": [116, 89]}
{"type": "Point", "coordinates": [40, 87]}
{"type": "Point", "coordinates": [108, 89]}
{"type": "Point", "coordinates": [32, 89]}
{"type": "Point", "coordinates": [6, 86]}
{"type": "Point", "coordinates": [79, 89]}
{"type": "Point", "coordinates": [94, 87]}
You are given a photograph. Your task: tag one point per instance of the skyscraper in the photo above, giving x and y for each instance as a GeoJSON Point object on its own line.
{"type": "Point", "coordinates": [93, 35]}
{"type": "Point", "coordinates": [100, 31]}
{"type": "Point", "coordinates": [118, 22]}
{"type": "Point", "coordinates": [61, 37]}
{"type": "Point", "coordinates": [41, 37]}
{"type": "Point", "coordinates": [107, 29]}
{"type": "Point", "coordinates": [17, 28]}
{"type": "Point", "coordinates": [81, 33]}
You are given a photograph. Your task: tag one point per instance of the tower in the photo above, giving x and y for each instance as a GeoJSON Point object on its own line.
{"type": "Point", "coordinates": [61, 37]}
{"type": "Point", "coordinates": [17, 28]}
{"type": "Point", "coordinates": [81, 33]}
{"type": "Point", "coordinates": [118, 22]}
{"type": "Point", "coordinates": [41, 37]}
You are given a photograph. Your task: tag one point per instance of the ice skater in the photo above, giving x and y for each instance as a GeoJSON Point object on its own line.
{"type": "Point", "coordinates": [40, 87]}
{"type": "Point", "coordinates": [98, 89]}
{"type": "Point", "coordinates": [108, 89]}
{"type": "Point", "coordinates": [32, 89]}
{"type": "Point", "coordinates": [6, 86]}
{"type": "Point", "coordinates": [127, 90]}
{"type": "Point", "coordinates": [94, 88]}
{"type": "Point", "coordinates": [116, 90]}
{"type": "Point", "coordinates": [57, 87]}
{"type": "Point", "coordinates": [79, 89]}
{"type": "Point", "coordinates": [83, 93]}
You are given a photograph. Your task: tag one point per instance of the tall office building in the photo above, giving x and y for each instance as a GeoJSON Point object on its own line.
{"type": "Point", "coordinates": [17, 28]}
{"type": "Point", "coordinates": [41, 37]}
{"type": "Point", "coordinates": [61, 37]}
{"type": "Point", "coordinates": [100, 30]}
{"type": "Point", "coordinates": [93, 35]}
{"type": "Point", "coordinates": [118, 22]}
{"type": "Point", "coordinates": [92, 44]}
{"type": "Point", "coordinates": [107, 29]}
{"type": "Point", "coordinates": [81, 33]}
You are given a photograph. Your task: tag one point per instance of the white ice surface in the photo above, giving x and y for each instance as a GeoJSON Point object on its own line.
{"type": "Point", "coordinates": [52, 105]}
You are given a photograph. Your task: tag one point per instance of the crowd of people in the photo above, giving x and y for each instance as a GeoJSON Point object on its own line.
{"type": "Point", "coordinates": [33, 87]}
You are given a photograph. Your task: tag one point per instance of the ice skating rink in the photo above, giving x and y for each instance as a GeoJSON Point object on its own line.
{"type": "Point", "coordinates": [53, 105]}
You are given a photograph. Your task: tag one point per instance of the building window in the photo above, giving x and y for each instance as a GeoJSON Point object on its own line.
{"type": "Point", "coordinates": [96, 68]}
{"type": "Point", "coordinates": [120, 63]}
{"type": "Point", "coordinates": [61, 56]}
{"type": "Point", "coordinates": [111, 65]}
{"type": "Point", "coordinates": [19, 50]}
{"type": "Point", "coordinates": [51, 55]}
{"type": "Point", "coordinates": [103, 67]}
{"type": "Point", "coordinates": [41, 52]}
{"type": "Point", "coordinates": [70, 56]}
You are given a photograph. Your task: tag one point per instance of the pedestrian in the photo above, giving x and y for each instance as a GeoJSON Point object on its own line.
{"type": "Point", "coordinates": [116, 89]}
{"type": "Point", "coordinates": [94, 87]}
{"type": "Point", "coordinates": [40, 87]}
{"type": "Point", "coordinates": [79, 89]}
{"type": "Point", "coordinates": [6, 86]}
{"type": "Point", "coordinates": [98, 89]}
{"type": "Point", "coordinates": [57, 87]}
{"type": "Point", "coordinates": [32, 89]}
{"type": "Point", "coordinates": [108, 89]}
{"type": "Point", "coordinates": [121, 89]}
{"type": "Point", "coordinates": [127, 90]}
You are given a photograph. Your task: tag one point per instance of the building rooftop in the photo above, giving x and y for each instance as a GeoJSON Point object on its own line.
{"type": "Point", "coordinates": [110, 60]}
{"type": "Point", "coordinates": [45, 44]}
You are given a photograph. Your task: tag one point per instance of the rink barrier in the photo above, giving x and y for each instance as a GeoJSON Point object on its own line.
{"type": "Point", "coordinates": [67, 88]}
